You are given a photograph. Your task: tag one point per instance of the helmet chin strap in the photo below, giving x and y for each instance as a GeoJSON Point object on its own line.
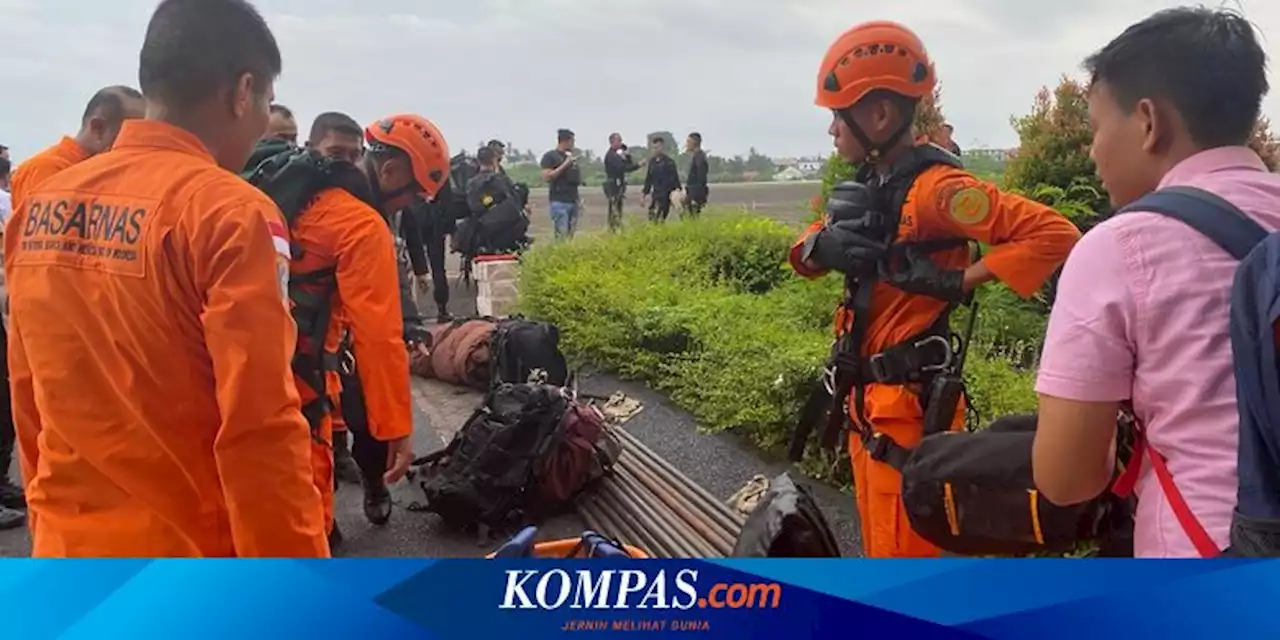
{"type": "Point", "coordinates": [380, 197]}
{"type": "Point", "coordinates": [874, 151]}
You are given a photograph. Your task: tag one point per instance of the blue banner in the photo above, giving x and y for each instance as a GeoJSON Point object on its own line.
{"type": "Point", "coordinates": [776, 599]}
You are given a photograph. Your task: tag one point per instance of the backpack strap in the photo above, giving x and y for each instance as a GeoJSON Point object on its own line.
{"type": "Point", "coordinates": [1208, 213]}
{"type": "Point", "coordinates": [1237, 234]}
{"type": "Point", "coordinates": [1128, 479]}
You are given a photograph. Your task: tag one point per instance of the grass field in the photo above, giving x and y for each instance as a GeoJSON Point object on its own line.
{"type": "Point", "coordinates": [787, 202]}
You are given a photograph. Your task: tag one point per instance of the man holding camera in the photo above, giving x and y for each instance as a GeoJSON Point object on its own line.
{"type": "Point", "coordinates": [562, 174]}
{"type": "Point", "coordinates": [617, 164]}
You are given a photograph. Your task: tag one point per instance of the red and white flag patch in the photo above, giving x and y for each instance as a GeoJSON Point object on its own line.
{"type": "Point", "coordinates": [280, 241]}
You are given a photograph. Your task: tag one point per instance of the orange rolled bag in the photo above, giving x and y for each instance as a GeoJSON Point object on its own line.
{"type": "Point", "coordinates": [459, 354]}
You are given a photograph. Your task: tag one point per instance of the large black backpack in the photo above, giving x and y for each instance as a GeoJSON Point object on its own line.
{"type": "Point", "coordinates": [462, 168]}
{"type": "Point", "coordinates": [786, 524]}
{"type": "Point", "coordinates": [292, 178]}
{"type": "Point", "coordinates": [973, 493]}
{"type": "Point", "coordinates": [486, 476]}
{"type": "Point", "coordinates": [522, 347]}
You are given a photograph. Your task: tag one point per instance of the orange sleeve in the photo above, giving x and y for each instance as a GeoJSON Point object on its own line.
{"type": "Point", "coordinates": [26, 419]}
{"type": "Point", "coordinates": [1028, 240]}
{"type": "Point", "coordinates": [263, 446]}
{"type": "Point", "coordinates": [368, 284]}
{"type": "Point", "coordinates": [797, 249]}
{"type": "Point", "coordinates": [29, 175]}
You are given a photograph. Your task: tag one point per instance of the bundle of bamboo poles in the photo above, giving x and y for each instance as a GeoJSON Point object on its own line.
{"type": "Point", "coordinates": [649, 504]}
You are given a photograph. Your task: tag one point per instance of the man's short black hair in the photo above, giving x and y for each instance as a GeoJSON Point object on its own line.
{"type": "Point", "coordinates": [696, 137]}
{"type": "Point", "coordinates": [331, 121]}
{"type": "Point", "coordinates": [195, 49]}
{"type": "Point", "coordinates": [486, 155]}
{"type": "Point", "coordinates": [496, 144]}
{"type": "Point", "coordinates": [6, 166]}
{"type": "Point", "coordinates": [279, 109]}
{"type": "Point", "coordinates": [564, 135]}
{"type": "Point", "coordinates": [109, 103]}
{"type": "Point", "coordinates": [1205, 63]}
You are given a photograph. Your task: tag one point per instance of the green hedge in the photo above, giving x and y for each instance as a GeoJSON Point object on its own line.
{"type": "Point", "coordinates": [709, 313]}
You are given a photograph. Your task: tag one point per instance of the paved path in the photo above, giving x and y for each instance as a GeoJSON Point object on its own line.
{"type": "Point", "coordinates": [721, 463]}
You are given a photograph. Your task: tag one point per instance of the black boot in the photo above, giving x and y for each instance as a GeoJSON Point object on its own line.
{"type": "Point", "coordinates": [10, 494]}
{"type": "Point", "coordinates": [11, 519]}
{"type": "Point", "coordinates": [335, 539]}
{"type": "Point", "coordinates": [443, 314]}
{"type": "Point", "coordinates": [344, 466]}
{"type": "Point", "coordinates": [377, 500]}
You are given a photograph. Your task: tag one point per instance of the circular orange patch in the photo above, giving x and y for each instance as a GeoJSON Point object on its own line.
{"type": "Point", "coordinates": [970, 205]}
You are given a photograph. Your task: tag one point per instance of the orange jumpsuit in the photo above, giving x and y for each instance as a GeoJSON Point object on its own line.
{"type": "Point", "coordinates": [1029, 241]}
{"type": "Point", "coordinates": [341, 232]}
{"type": "Point", "coordinates": [44, 165]}
{"type": "Point", "coordinates": [150, 361]}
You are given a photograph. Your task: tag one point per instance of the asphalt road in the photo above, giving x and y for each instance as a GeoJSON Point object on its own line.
{"type": "Point", "coordinates": [721, 463]}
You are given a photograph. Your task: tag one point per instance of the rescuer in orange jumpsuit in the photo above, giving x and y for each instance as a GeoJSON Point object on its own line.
{"type": "Point", "coordinates": [151, 338]}
{"type": "Point", "coordinates": [345, 255]}
{"type": "Point", "coordinates": [872, 79]}
{"type": "Point", "coordinates": [108, 109]}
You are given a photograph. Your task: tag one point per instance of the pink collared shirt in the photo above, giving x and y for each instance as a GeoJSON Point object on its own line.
{"type": "Point", "coordinates": [1141, 314]}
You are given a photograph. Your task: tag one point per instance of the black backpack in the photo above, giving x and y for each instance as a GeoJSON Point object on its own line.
{"type": "Point", "coordinates": [786, 524]}
{"type": "Point", "coordinates": [521, 347]}
{"type": "Point", "coordinates": [486, 476]}
{"type": "Point", "coordinates": [292, 178]}
{"type": "Point", "coordinates": [462, 168]}
{"type": "Point", "coordinates": [972, 493]}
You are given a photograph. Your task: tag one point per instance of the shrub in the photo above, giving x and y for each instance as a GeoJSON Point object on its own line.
{"type": "Point", "coordinates": [1265, 144]}
{"type": "Point", "coordinates": [1053, 160]}
{"type": "Point", "coordinates": [726, 330]}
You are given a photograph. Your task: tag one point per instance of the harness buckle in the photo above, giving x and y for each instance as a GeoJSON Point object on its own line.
{"type": "Point", "coordinates": [829, 379]}
{"type": "Point", "coordinates": [347, 362]}
{"type": "Point", "coordinates": [875, 365]}
{"type": "Point", "coordinates": [946, 350]}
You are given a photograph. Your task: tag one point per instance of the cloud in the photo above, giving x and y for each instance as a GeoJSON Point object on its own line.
{"type": "Point", "coordinates": [740, 71]}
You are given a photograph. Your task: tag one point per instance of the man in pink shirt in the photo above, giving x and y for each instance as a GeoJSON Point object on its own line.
{"type": "Point", "coordinates": [1142, 306]}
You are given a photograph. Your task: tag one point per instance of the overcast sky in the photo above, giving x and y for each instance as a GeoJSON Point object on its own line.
{"type": "Point", "coordinates": [740, 71]}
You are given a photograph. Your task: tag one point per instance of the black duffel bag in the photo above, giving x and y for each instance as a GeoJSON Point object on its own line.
{"type": "Point", "coordinates": [973, 493]}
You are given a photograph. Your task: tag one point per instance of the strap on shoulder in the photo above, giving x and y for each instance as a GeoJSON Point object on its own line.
{"type": "Point", "coordinates": [1207, 213]}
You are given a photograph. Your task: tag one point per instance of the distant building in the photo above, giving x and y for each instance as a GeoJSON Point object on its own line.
{"type": "Point", "coordinates": [999, 155]}
{"type": "Point", "coordinates": [811, 166]}
{"type": "Point", "coordinates": [790, 174]}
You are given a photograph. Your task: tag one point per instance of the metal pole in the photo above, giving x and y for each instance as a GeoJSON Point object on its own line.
{"type": "Point", "coordinates": [647, 478]}
{"type": "Point", "coordinates": [706, 547]}
{"type": "Point", "coordinates": [730, 518]}
{"type": "Point", "coordinates": [649, 520]}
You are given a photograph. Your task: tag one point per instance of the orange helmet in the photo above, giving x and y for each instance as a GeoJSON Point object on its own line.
{"type": "Point", "coordinates": [418, 138]}
{"type": "Point", "coordinates": [870, 56]}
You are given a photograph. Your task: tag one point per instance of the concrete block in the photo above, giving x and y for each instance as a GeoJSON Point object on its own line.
{"type": "Point", "coordinates": [497, 270]}
{"type": "Point", "coordinates": [498, 308]}
{"type": "Point", "coordinates": [505, 290]}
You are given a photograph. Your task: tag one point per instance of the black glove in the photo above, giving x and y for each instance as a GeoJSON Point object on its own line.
{"type": "Point", "coordinates": [843, 247]}
{"type": "Point", "coordinates": [849, 201]}
{"type": "Point", "coordinates": [415, 334]}
{"type": "Point", "coordinates": [916, 273]}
